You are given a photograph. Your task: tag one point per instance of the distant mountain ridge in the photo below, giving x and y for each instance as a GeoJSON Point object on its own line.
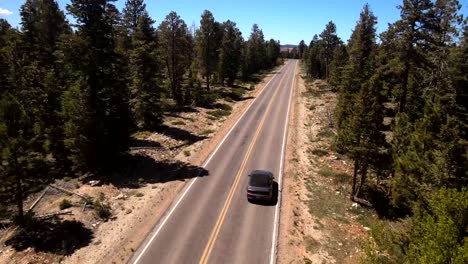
{"type": "Point", "coordinates": [287, 47]}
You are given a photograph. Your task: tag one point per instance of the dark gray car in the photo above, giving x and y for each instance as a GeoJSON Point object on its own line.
{"type": "Point", "coordinates": [260, 186]}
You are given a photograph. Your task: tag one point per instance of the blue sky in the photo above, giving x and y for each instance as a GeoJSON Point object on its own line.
{"type": "Point", "coordinates": [288, 21]}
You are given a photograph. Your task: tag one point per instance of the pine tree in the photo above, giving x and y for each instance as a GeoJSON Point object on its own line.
{"type": "Point", "coordinates": [330, 42]}
{"type": "Point", "coordinates": [21, 157]}
{"type": "Point", "coordinates": [302, 48]}
{"type": "Point", "coordinates": [339, 61]}
{"type": "Point", "coordinates": [8, 37]}
{"type": "Point", "coordinates": [439, 233]}
{"type": "Point", "coordinates": [367, 145]}
{"type": "Point", "coordinates": [134, 9]}
{"type": "Point", "coordinates": [433, 155]}
{"type": "Point", "coordinates": [272, 53]}
{"type": "Point", "coordinates": [176, 47]}
{"type": "Point", "coordinates": [43, 23]}
{"type": "Point", "coordinates": [95, 106]}
{"type": "Point", "coordinates": [255, 51]}
{"type": "Point", "coordinates": [230, 53]}
{"type": "Point", "coordinates": [313, 62]}
{"type": "Point", "coordinates": [207, 44]}
{"type": "Point", "coordinates": [145, 69]}
{"type": "Point", "coordinates": [413, 39]}
{"type": "Point", "coordinates": [358, 70]}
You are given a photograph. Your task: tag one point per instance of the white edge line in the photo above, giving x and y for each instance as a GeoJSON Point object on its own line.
{"type": "Point", "coordinates": [275, 225]}
{"type": "Point", "coordinates": [195, 179]}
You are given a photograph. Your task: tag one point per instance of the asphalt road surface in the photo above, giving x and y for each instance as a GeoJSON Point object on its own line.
{"type": "Point", "coordinates": [211, 221]}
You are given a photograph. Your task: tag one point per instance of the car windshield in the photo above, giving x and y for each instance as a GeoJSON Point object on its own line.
{"type": "Point", "coordinates": [259, 180]}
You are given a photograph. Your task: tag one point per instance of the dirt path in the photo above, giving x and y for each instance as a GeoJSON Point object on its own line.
{"type": "Point", "coordinates": [318, 223]}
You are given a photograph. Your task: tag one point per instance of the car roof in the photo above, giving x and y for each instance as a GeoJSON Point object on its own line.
{"type": "Point", "coordinates": [261, 172]}
{"type": "Point", "coordinates": [260, 180]}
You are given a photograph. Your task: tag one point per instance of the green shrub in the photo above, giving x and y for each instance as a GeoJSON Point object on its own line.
{"type": "Point", "coordinates": [318, 152]}
{"type": "Point", "coordinates": [219, 113]}
{"type": "Point", "coordinates": [325, 132]}
{"type": "Point", "coordinates": [204, 99]}
{"type": "Point", "coordinates": [187, 153]}
{"type": "Point", "coordinates": [326, 172]}
{"type": "Point", "coordinates": [206, 132]}
{"type": "Point", "coordinates": [225, 107]}
{"type": "Point", "coordinates": [141, 134]}
{"type": "Point", "coordinates": [237, 94]}
{"type": "Point", "coordinates": [66, 178]}
{"type": "Point", "coordinates": [338, 177]}
{"type": "Point", "coordinates": [102, 210]}
{"type": "Point", "coordinates": [64, 204]}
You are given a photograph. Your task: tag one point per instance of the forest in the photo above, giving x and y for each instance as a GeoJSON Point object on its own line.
{"type": "Point", "coordinates": [72, 94]}
{"type": "Point", "coordinates": [402, 118]}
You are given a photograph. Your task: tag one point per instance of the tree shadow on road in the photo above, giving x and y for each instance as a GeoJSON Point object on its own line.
{"type": "Point", "coordinates": [137, 170]}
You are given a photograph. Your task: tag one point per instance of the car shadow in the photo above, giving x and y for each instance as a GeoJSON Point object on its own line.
{"type": "Point", "coordinates": [272, 202]}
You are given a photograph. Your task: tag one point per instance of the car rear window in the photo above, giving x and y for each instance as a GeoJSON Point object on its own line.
{"type": "Point", "coordinates": [259, 180]}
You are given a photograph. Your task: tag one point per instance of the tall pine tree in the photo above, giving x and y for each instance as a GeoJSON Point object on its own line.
{"type": "Point", "coordinates": [176, 47]}
{"type": "Point", "coordinates": [96, 105]}
{"type": "Point", "coordinates": [230, 53]}
{"type": "Point", "coordinates": [145, 73]}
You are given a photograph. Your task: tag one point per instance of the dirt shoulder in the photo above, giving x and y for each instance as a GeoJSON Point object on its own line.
{"type": "Point", "coordinates": [318, 223]}
{"type": "Point", "coordinates": [164, 162]}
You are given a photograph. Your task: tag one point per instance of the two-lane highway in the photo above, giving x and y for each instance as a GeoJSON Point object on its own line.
{"type": "Point", "coordinates": [211, 221]}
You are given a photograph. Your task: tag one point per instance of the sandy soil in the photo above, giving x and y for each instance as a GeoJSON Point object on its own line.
{"type": "Point", "coordinates": [317, 223]}
{"type": "Point", "coordinates": [136, 206]}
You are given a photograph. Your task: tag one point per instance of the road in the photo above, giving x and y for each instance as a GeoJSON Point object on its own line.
{"type": "Point", "coordinates": [211, 220]}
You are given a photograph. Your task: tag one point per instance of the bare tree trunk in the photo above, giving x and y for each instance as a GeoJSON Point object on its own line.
{"type": "Point", "coordinates": [363, 179]}
{"type": "Point", "coordinates": [19, 194]}
{"type": "Point", "coordinates": [353, 187]}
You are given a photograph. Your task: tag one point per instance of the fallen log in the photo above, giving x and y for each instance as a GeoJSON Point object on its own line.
{"type": "Point", "coordinates": [68, 191]}
{"type": "Point", "coordinates": [50, 215]}
{"type": "Point", "coordinates": [38, 199]}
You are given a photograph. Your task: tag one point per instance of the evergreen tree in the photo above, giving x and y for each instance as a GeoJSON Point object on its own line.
{"type": "Point", "coordinates": [302, 48]}
{"type": "Point", "coordinates": [313, 62]}
{"type": "Point", "coordinates": [21, 155]}
{"type": "Point", "coordinates": [43, 23]}
{"type": "Point", "coordinates": [208, 42]}
{"type": "Point", "coordinates": [272, 52]}
{"type": "Point", "coordinates": [330, 41]}
{"type": "Point", "coordinates": [339, 61]}
{"type": "Point", "coordinates": [95, 106]}
{"type": "Point", "coordinates": [144, 65]}
{"type": "Point", "coordinates": [434, 154]}
{"type": "Point", "coordinates": [230, 53]}
{"type": "Point", "coordinates": [133, 10]}
{"type": "Point", "coordinates": [176, 51]}
{"type": "Point", "coordinates": [439, 233]}
{"type": "Point", "coordinates": [359, 69]}
{"type": "Point", "coordinates": [7, 38]}
{"type": "Point", "coordinates": [412, 40]}
{"type": "Point", "coordinates": [255, 51]}
{"type": "Point", "coordinates": [367, 145]}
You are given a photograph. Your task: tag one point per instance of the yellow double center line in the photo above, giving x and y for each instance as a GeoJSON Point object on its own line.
{"type": "Point", "coordinates": [219, 223]}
